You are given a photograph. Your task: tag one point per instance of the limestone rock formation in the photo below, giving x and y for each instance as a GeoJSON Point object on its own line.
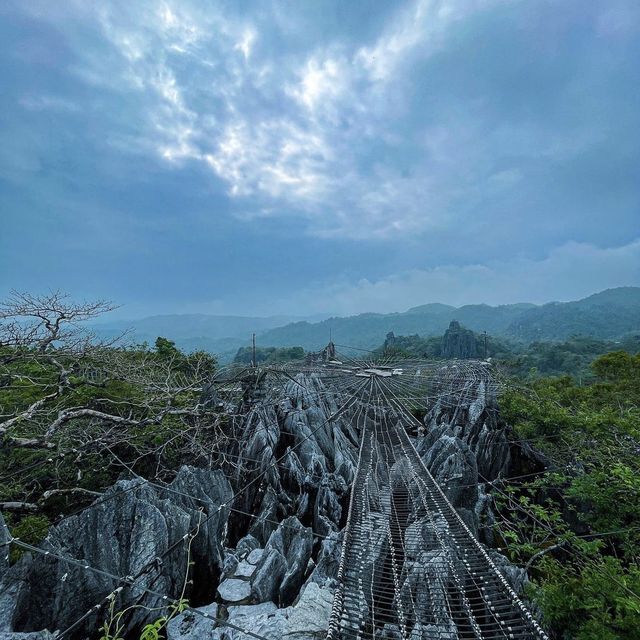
{"type": "Point", "coordinates": [130, 531]}
{"type": "Point", "coordinates": [270, 565]}
{"type": "Point", "coordinates": [459, 342]}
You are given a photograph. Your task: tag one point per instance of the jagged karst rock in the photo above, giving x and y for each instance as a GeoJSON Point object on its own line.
{"type": "Point", "coordinates": [268, 576]}
{"type": "Point", "coordinates": [234, 590]}
{"type": "Point", "coordinates": [327, 510]}
{"type": "Point", "coordinates": [326, 569]}
{"type": "Point", "coordinates": [14, 586]}
{"type": "Point", "coordinates": [282, 568]}
{"type": "Point", "coordinates": [274, 577]}
{"type": "Point", "coordinates": [459, 342]}
{"type": "Point", "coordinates": [266, 522]}
{"type": "Point", "coordinates": [453, 465]}
{"type": "Point", "coordinates": [5, 536]}
{"type": "Point", "coordinates": [190, 625]}
{"type": "Point", "coordinates": [309, 618]}
{"type": "Point", "coordinates": [131, 527]}
{"type": "Point", "coordinates": [263, 619]}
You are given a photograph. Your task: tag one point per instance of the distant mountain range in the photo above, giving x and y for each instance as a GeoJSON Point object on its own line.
{"type": "Point", "coordinates": [217, 334]}
{"type": "Point", "coordinates": [609, 314]}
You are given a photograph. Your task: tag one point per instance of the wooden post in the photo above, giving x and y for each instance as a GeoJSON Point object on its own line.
{"type": "Point", "coordinates": [253, 351]}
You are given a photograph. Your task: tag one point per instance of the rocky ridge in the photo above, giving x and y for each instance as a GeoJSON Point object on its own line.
{"type": "Point", "coordinates": [268, 565]}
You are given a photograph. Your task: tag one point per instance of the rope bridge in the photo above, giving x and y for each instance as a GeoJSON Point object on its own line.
{"type": "Point", "coordinates": [410, 567]}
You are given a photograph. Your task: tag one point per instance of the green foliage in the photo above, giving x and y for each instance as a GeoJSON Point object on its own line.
{"type": "Point", "coordinates": [581, 524]}
{"type": "Point", "coordinates": [590, 600]}
{"type": "Point", "coordinates": [167, 351]}
{"type": "Point", "coordinates": [134, 383]}
{"type": "Point", "coordinates": [31, 529]}
{"type": "Point", "coordinates": [114, 625]}
{"type": "Point", "coordinates": [269, 355]}
{"type": "Point", "coordinates": [571, 357]}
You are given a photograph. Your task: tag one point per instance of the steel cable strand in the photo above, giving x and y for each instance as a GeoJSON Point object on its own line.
{"type": "Point", "coordinates": [338, 598]}
{"type": "Point", "coordinates": [517, 602]}
{"type": "Point", "coordinates": [492, 610]}
{"type": "Point", "coordinates": [131, 582]}
{"type": "Point", "coordinates": [358, 490]}
{"type": "Point", "coordinates": [383, 428]}
{"type": "Point", "coordinates": [446, 548]}
{"type": "Point", "coordinates": [505, 584]}
{"type": "Point", "coordinates": [394, 561]}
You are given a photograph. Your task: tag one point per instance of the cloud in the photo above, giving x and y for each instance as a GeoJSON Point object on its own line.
{"type": "Point", "coordinates": [48, 103]}
{"type": "Point", "coordinates": [298, 137]}
{"type": "Point", "coordinates": [568, 272]}
{"type": "Point", "coordinates": [336, 134]}
{"type": "Point", "coordinates": [438, 140]}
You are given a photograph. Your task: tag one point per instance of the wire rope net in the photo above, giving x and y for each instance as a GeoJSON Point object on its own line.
{"type": "Point", "coordinates": [410, 567]}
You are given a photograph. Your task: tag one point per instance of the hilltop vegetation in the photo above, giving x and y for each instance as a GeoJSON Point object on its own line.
{"type": "Point", "coordinates": [269, 355]}
{"type": "Point", "coordinates": [609, 315]}
{"type": "Point", "coordinates": [577, 526]}
{"type": "Point", "coordinates": [569, 357]}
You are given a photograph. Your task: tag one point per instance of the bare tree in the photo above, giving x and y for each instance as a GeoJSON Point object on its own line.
{"type": "Point", "coordinates": [63, 389]}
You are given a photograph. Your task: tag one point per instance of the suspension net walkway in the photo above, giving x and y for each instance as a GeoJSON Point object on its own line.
{"type": "Point", "coordinates": [410, 568]}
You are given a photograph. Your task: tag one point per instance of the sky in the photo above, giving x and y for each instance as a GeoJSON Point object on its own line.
{"type": "Point", "coordinates": [327, 157]}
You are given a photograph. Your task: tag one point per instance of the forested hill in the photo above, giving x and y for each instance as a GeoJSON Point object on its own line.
{"type": "Point", "coordinates": [608, 315]}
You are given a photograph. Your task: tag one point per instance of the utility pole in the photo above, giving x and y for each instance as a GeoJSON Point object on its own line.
{"type": "Point", "coordinates": [485, 345]}
{"type": "Point", "coordinates": [253, 350]}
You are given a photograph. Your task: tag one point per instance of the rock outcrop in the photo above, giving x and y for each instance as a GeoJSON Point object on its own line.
{"type": "Point", "coordinates": [459, 342]}
{"type": "Point", "coordinates": [270, 564]}
{"type": "Point", "coordinates": [132, 530]}
{"type": "Point", "coordinates": [307, 619]}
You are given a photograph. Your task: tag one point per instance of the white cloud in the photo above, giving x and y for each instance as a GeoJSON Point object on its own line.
{"type": "Point", "coordinates": [48, 103]}
{"type": "Point", "coordinates": [245, 44]}
{"type": "Point", "coordinates": [289, 132]}
{"type": "Point", "coordinates": [274, 157]}
{"type": "Point", "coordinates": [299, 134]}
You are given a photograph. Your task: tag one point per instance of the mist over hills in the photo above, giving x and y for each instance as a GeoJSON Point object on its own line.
{"type": "Point", "coordinates": [608, 315]}
{"type": "Point", "coordinates": [217, 334]}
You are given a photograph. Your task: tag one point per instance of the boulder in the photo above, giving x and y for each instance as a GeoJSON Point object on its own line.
{"type": "Point", "coordinates": [246, 546]}
{"type": "Point", "coordinates": [244, 570]}
{"type": "Point", "coordinates": [309, 618]}
{"type": "Point", "coordinates": [263, 619]}
{"type": "Point", "coordinates": [234, 590]}
{"type": "Point", "coordinates": [255, 556]}
{"type": "Point", "coordinates": [190, 625]}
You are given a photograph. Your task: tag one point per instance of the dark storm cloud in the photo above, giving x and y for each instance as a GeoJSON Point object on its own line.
{"type": "Point", "coordinates": [219, 157]}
